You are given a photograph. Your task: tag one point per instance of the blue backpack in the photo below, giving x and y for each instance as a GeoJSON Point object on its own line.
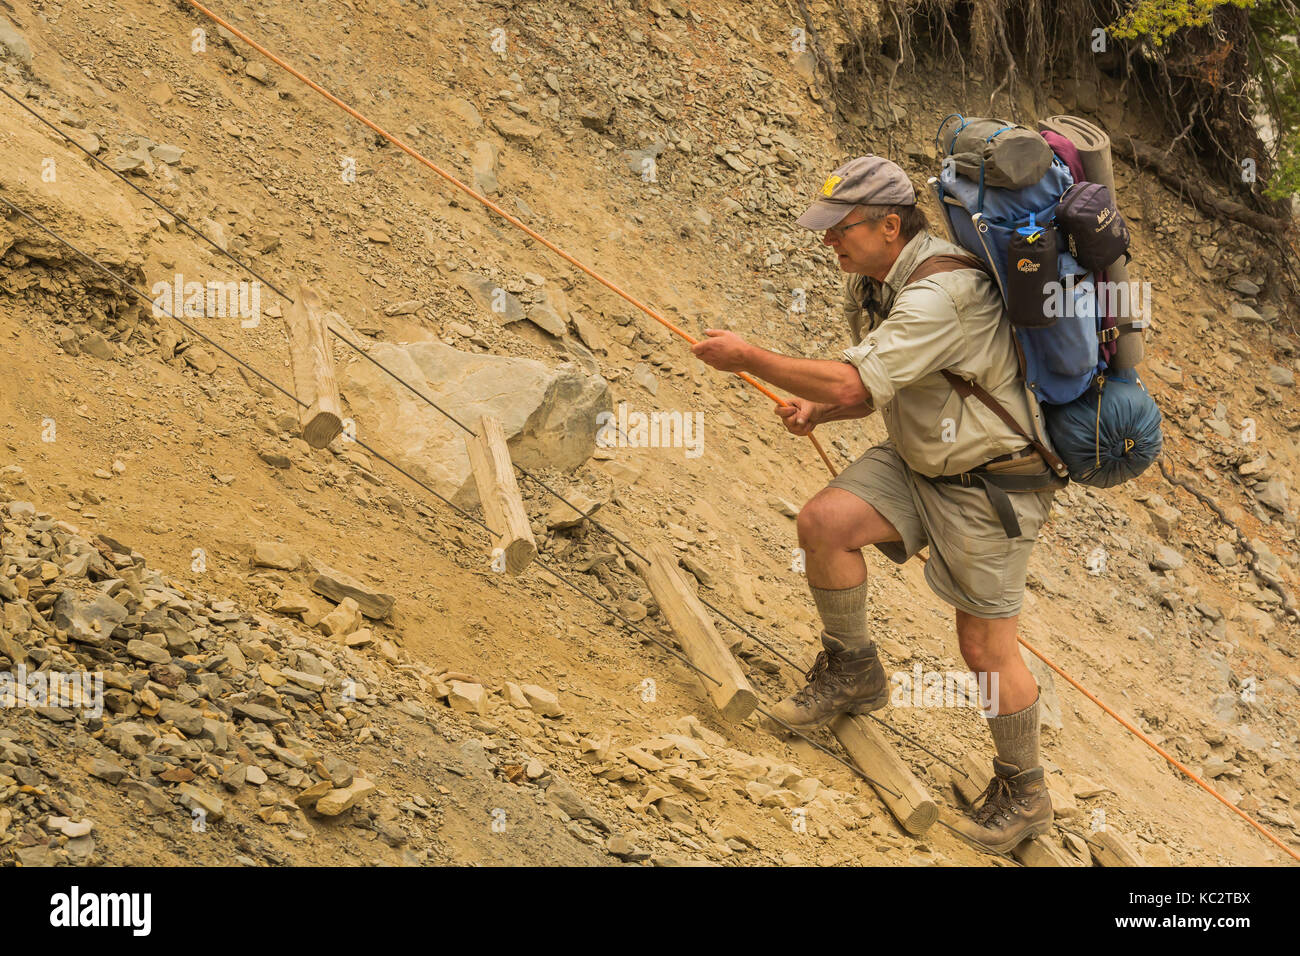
{"type": "Point", "coordinates": [1103, 439]}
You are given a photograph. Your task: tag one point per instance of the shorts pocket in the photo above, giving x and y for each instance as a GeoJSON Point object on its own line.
{"type": "Point", "coordinates": [978, 567]}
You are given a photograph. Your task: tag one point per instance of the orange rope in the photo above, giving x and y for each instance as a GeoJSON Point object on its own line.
{"type": "Point", "coordinates": [420, 157]}
{"type": "Point", "coordinates": [415, 154]}
{"type": "Point", "coordinates": [1158, 749]}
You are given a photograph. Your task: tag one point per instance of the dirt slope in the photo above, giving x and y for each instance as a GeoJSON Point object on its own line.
{"type": "Point", "coordinates": [714, 95]}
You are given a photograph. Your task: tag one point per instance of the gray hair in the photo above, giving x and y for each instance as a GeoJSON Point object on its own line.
{"type": "Point", "coordinates": [911, 218]}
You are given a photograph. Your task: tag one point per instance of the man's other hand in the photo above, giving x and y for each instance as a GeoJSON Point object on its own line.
{"type": "Point", "coordinates": [800, 416]}
{"type": "Point", "coordinates": [725, 351]}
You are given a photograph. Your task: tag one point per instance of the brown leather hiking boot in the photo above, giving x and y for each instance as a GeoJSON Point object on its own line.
{"type": "Point", "coordinates": [1015, 807]}
{"type": "Point", "coordinates": [840, 681]}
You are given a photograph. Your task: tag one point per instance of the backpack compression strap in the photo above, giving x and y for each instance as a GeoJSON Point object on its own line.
{"type": "Point", "coordinates": [947, 263]}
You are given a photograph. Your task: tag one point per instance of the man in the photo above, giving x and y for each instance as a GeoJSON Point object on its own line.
{"type": "Point", "coordinates": [940, 479]}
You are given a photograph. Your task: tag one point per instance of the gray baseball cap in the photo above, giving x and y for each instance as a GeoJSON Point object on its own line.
{"type": "Point", "coordinates": [865, 181]}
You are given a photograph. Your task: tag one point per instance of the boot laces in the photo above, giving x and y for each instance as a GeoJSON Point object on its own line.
{"type": "Point", "coordinates": [824, 672]}
{"type": "Point", "coordinates": [1000, 802]}
{"type": "Point", "coordinates": [820, 666]}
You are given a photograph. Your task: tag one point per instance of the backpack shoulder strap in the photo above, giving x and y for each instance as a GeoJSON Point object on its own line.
{"type": "Point", "coordinates": [943, 263]}
{"type": "Point", "coordinates": [967, 389]}
{"type": "Point", "coordinates": [949, 263]}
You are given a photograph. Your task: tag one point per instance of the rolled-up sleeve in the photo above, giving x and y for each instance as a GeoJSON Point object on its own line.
{"type": "Point", "coordinates": [921, 336]}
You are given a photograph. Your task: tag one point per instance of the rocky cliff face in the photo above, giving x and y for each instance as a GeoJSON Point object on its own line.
{"type": "Point", "coordinates": [165, 528]}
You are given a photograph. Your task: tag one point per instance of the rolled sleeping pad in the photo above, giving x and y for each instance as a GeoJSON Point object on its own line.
{"type": "Point", "coordinates": [1094, 151]}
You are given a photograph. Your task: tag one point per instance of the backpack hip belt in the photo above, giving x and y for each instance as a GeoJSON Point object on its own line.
{"type": "Point", "coordinates": [1027, 461]}
{"type": "Point", "coordinates": [996, 487]}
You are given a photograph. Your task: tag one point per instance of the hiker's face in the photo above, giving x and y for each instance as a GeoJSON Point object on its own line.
{"type": "Point", "coordinates": [867, 249]}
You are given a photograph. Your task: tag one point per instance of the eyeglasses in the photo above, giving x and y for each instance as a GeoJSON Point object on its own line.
{"type": "Point", "coordinates": [837, 232]}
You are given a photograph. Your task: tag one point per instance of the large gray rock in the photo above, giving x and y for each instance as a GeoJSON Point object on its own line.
{"type": "Point", "coordinates": [567, 799]}
{"type": "Point", "coordinates": [1244, 313]}
{"type": "Point", "coordinates": [88, 621]}
{"type": "Point", "coordinates": [1273, 495]}
{"type": "Point", "coordinates": [1165, 559]}
{"type": "Point", "coordinates": [338, 586]}
{"type": "Point", "coordinates": [492, 297]}
{"type": "Point", "coordinates": [549, 414]}
{"type": "Point", "coordinates": [515, 129]}
{"type": "Point", "coordinates": [14, 43]}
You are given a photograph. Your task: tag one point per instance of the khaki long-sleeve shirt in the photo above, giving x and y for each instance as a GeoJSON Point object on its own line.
{"type": "Point", "coordinates": [953, 320]}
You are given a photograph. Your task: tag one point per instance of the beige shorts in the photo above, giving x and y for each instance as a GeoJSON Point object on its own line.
{"type": "Point", "coordinates": [973, 565]}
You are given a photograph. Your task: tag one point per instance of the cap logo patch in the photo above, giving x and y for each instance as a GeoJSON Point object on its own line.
{"type": "Point", "coordinates": [829, 186]}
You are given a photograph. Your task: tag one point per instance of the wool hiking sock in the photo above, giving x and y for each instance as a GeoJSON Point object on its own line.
{"type": "Point", "coordinates": [1016, 736]}
{"type": "Point", "coordinates": [844, 614]}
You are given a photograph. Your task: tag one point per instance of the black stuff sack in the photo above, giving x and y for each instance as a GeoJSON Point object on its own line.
{"type": "Point", "coordinates": [1095, 231]}
{"type": "Point", "coordinates": [1032, 275]}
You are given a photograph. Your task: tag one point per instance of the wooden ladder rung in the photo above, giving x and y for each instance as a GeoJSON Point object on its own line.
{"type": "Point", "coordinates": [312, 363]}
{"type": "Point", "coordinates": [700, 641]}
{"type": "Point", "coordinates": [503, 505]}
